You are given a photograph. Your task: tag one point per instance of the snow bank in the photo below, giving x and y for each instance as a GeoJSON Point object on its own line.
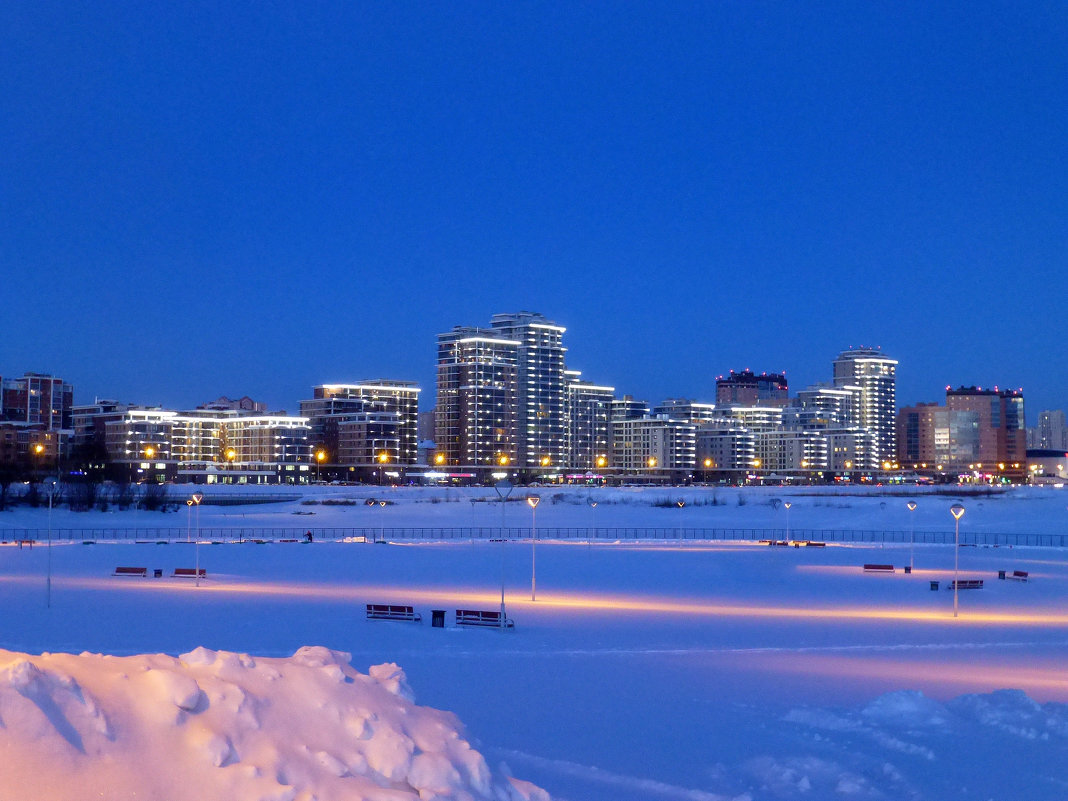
{"type": "Point", "coordinates": [215, 725]}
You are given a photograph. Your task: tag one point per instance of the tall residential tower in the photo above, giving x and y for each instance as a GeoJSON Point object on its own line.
{"type": "Point", "coordinates": [874, 377]}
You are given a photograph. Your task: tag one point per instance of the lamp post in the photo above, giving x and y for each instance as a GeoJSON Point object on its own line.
{"type": "Point", "coordinates": [320, 456]}
{"type": "Point", "coordinates": [503, 488]}
{"type": "Point", "coordinates": [533, 501]}
{"type": "Point", "coordinates": [197, 498]}
{"type": "Point", "coordinates": [51, 483]}
{"type": "Point", "coordinates": [788, 504]}
{"type": "Point", "coordinates": [231, 454]}
{"type": "Point", "coordinates": [958, 512]}
{"type": "Point", "coordinates": [593, 515]}
{"type": "Point", "coordinates": [188, 520]}
{"type": "Point", "coordinates": [681, 502]}
{"type": "Point", "coordinates": [912, 534]}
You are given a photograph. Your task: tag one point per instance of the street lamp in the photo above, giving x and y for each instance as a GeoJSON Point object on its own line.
{"type": "Point", "coordinates": [912, 533]}
{"type": "Point", "coordinates": [593, 514]}
{"type": "Point", "coordinates": [533, 501]}
{"type": "Point", "coordinates": [439, 459]}
{"type": "Point", "coordinates": [503, 489]}
{"type": "Point", "coordinates": [787, 504]}
{"type": "Point", "coordinates": [48, 582]}
{"type": "Point", "coordinates": [231, 454]}
{"type": "Point", "coordinates": [320, 457]}
{"type": "Point", "coordinates": [197, 498]}
{"type": "Point", "coordinates": [958, 512]}
{"type": "Point", "coordinates": [188, 520]}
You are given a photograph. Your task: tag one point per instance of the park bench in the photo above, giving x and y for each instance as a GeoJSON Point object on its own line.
{"type": "Point", "coordinates": [878, 568]}
{"type": "Point", "coordinates": [474, 617]}
{"type": "Point", "coordinates": [813, 544]}
{"type": "Point", "coordinates": [966, 584]}
{"type": "Point", "coordinates": [1017, 575]}
{"type": "Point", "coordinates": [131, 571]}
{"type": "Point", "coordinates": [25, 542]}
{"type": "Point", "coordinates": [392, 612]}
{"type": "Point", "coordinates": [189, 572]}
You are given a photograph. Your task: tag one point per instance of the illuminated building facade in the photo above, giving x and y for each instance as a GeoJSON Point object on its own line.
{"type": "Point", "coordinates": [355, 425]}
{"type": "Point", "coordinates": [542, 394]}
{"type": "Point", "coordinates": [476, 417]}
{"type": "Point", "coordinates": [874, 377]}
{"type": "Point", "coordinates": [588, 414]}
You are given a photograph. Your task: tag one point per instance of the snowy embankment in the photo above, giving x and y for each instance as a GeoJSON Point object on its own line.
{"type": "Point", "coordinates": [219, 725]}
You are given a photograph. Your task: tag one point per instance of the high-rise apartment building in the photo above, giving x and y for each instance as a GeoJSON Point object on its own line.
{"type": "Point", "coordinates": [541, 399]}
{"type": "Point", "coordinates": [874, 376]}
{"type": "Point", "coordinates": [1002, 431]}
{"type": "Point", "coordinates": [1051, 433]}
{"type": "Point", "coordinates": [367, 423]}
{"type": "Point", "coordinates": [38, 399]}
{"type": "Point", "coordinates": [589, 413]}
{"type": "Point", "coordinates": [748, 388]}
{"type": "Point", "coordinates": [475, 421]}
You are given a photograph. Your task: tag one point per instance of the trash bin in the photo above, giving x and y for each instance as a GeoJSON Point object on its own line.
{"type": "Point", "coordinates": [158, 572]}
{"type": "Point", "coordinates": [1001, 575]}
{"type": "Point", "coordinates": [934, 585]}
{"type": "Point", "coordinates": [437, 618]}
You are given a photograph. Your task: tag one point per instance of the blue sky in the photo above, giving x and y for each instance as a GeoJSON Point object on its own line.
{"type": "Point", "coordinates": [251, 199]}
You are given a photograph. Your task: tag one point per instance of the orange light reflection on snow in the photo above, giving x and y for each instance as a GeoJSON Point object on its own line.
{"type": "Point", "coordinates": [588, 602]}
{"type": "Point", "coordinates": [949, 675]}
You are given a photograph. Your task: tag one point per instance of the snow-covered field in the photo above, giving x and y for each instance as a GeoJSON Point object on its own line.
{"type": "Point", "coordinates": [642, 671]}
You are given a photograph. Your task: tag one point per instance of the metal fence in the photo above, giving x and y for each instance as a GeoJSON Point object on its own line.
{"type": "Point", "coordinates": [493, 533]}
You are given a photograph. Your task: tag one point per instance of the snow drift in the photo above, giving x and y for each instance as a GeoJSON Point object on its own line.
{"type": "Point", "coordinates": [220, 725]}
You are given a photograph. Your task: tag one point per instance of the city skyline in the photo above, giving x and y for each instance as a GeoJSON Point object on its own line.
{"type": "Point", "coordinates": [254, 201]}
{"type": "Point", "coordinates": [267, 397]}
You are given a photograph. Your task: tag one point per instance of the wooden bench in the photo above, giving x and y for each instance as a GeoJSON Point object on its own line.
{"type": "Point", "coordinates": [25, 542]}
{"type": "Point", "coordinates": [474, 617]}
{"type": "Point", "coordinates": [813, 544]}
{"type": "Point", "coordinates": [1017, 575]}
{"type": "Point", "coordinates": [131, 571]}
{"type": "Point", "coordinates": [878, 568]}
{"type": "Point", "coordinates": [392, 612]}
{"type": "Point", "coordinates": [189, 572]}
{"type": "Point", "coordinates": [965, 584]}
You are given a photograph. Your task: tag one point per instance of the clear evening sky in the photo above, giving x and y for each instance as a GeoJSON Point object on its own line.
{"type": "Point", "coordinates": [253, 198]}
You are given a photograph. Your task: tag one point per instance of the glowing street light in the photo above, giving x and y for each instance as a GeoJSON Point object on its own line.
{"type": "Point", "coordinates": [546, 461]}
{"type": "Point", "coordinates": [197, 498]}
{"type": "Point", "coordinates": [652, 462]}
{"type": "Point", "coordinates": [230, 455]}
{"type": "Point", "coordinates": [439, 458]}
{"type": "Point", "coordinates": [503, 460]}
{"type": "Point", "coordinates": [150, 451]}
{"type": "Point", "coordinates": [912, 533]}
{"type": "Point", "coordinates": [957, 511]}
{"type": "Point", "coordinates": [383, 458]}
{"type": "Point", "coordinates": [533, 501]}
{"type": "Point", "coordinates": [320, 457]}
{"type": "Point", "coordinates": [602, 460]}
